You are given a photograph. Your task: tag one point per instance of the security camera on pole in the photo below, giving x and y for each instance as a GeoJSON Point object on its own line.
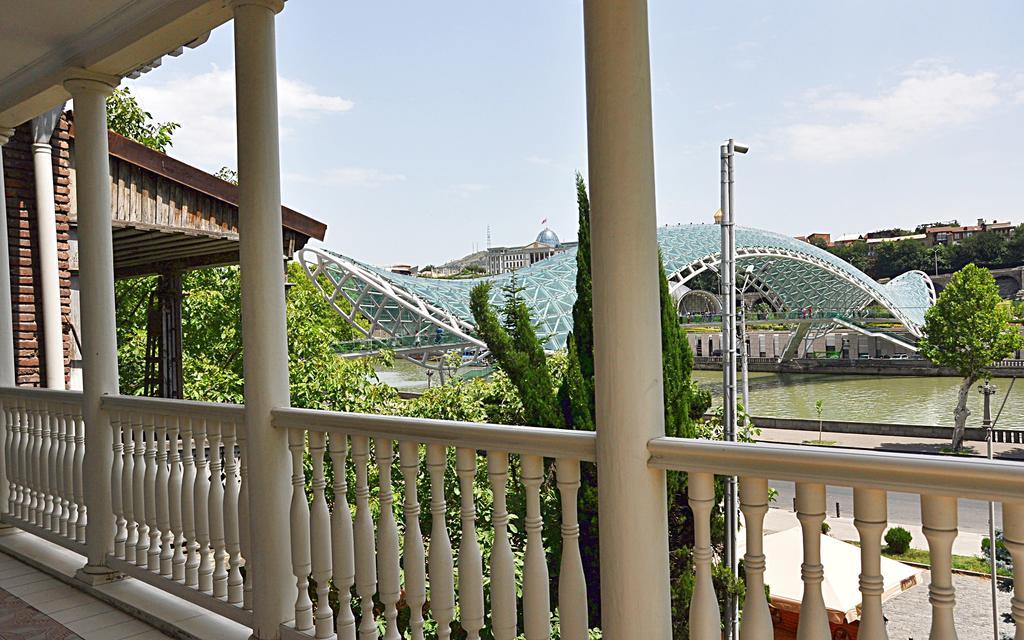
{"type": "Point", "coordinates": [727, 272]}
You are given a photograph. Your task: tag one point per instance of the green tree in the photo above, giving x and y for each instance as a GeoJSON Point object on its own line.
{"type": "Point", "coordinates": [212, 343]}
{"type": "Point", "coordinates": [985, 248]}
{"type": "Point", "coordinates": [1015, 246]}
{"type": "Point", "coordinates": [126, 117]}
{"type": "Point", "coordinates": [512, 341]}
{"type": "Point", "coordinates": [968, 329]}
{"type": "Point", "coordinates": [227, 174]}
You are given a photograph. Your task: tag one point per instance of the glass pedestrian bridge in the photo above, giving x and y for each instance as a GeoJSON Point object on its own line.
{"type": "Point", "coordinates": [791, 276]}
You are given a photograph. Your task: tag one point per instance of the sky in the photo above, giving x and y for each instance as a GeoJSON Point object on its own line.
{"type": "Point", "coordinates": [412, 128]}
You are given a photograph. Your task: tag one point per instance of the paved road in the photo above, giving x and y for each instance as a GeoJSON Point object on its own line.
{"type": "Point", "coordinates": [904, 508]}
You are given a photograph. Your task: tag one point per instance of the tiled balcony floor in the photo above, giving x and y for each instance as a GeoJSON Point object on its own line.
{"type": "Point", "coordinates": [105, 612]}
{"type": "Point", "coordinates": [35, 606]}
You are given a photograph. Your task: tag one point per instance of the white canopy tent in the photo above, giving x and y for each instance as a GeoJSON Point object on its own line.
{"type": "Point", "coordinates": [842, 568]}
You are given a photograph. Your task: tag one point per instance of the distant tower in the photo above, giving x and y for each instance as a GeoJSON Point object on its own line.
{"type": "Point", "coordinates": [488, 236]}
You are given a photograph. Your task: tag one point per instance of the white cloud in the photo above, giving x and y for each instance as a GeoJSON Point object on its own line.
{"type": "Point", "coordinates": [204, 106]}
{"type": "Point", "coordinates": [928, 100]}
{"type": "Point", "coordinates": [465, 189]}
{"type": "Point", "coordinates": [349, 177]}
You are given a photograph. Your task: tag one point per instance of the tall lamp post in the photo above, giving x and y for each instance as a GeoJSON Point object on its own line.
{"type": "Point", "coordinates": [728, 278]}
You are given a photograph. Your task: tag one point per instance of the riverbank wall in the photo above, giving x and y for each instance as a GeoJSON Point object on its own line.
{"type": "Point", "coordinates": [863, 367]}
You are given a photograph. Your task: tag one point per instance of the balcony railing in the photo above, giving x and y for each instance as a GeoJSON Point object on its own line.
{"type": "Point", "coordinates": [179, 489]}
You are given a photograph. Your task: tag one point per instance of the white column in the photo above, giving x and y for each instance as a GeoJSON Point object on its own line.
{"type": "Point", "coordinates": [7, 377]}
{"type": "Point", "coordinates": [870, 516]}
{"type": "Point", "coordinates": [46, 226]}
{"type": "Point", "coordinates": [627, 321]}
{"type": "Point", "coordinates": [96, 279]}
{"type": "Point", "coordinates": [265, 353]}
{"type": "Point", "coordinates": [939, 524]}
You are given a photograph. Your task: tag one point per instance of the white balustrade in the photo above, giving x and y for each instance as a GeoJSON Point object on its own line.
{"type": "Point", "coordinates": [201, 499]}
{"type": "Point", "coordinates": [165, 539]}
{"type": "Point", "coordinates": [503, 573]}
{"type": "Point", "coordinates": [232, 544]}
{"type": "Point", "coordinates": [426, 566]}
{"type": "Point", "coordinates": [388, 571]}
{"type": "Point", "coordinates": [414, 554]}
{"type": "Point", "coordinates": [869, 516]}
{"type": "Point", "coordinates": [441, 569]}
{"type": "Point", "coordinates": [1013, 537]}
{"type": "Point", "coordinates": [757, 618]}
{"type": "Point", "coordinates": [175, 498]}
{"type": "Point", "coordinates": [138, 481]}
{"type": "Point", "coordinates": [705, 615]}
{"type": "Point", "coordinates": [40, 439]}
{"type": "Point", "coordinates": [116, 496]}
{"type": "Point", "coordinates": [188, 513]}
{"type": "Point", "coordinates": [320, 541]}
{"type": "Point", "coordinates": [299, 516]}
{"type": "Point", "coordinates": [150, 508]}
{"type": "Point", "coordinates": [342, 550]}
{"type": "Point", "coordinates": [215, 512]}
{"type": "Point", "coordinates": [536, 587]}
{"type": "Point", "coordinates": [810, 510]}
{"type": "Point", "coordinates": [471, 588]}
{"type": "Point", "coordinates": [939, 523]}
{"type": "Point", "coordinates": [365, 553]}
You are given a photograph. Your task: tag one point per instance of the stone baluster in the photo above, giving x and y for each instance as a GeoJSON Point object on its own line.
{"type": "Point", "coordinates": [503, 570]}
{"type": "Point", "coordinates": [244, 528]}
{"type": "Point", "coordinates": [127, 488]}
{"type": "Point", "coordinates": [174, 494]}
{"type": "Point", "coordinates": [299, 516]}
{"type": "Point", "coordinates": [536, 589]}
{"type": "Point", "coordinates": [388, 571]}
{"type": "Point", "coordinates": [152, 549]}
{"type": "Point", "coordinates": [870, 516]}
{"type": "Point", "coordinates": [58, 453]}
{"type": "Point", "coordinates": [939, 520]}
{"type": "Point", "coordinates": [215, 513]}
{"type": "Point", "coordinates": [810, 507]}
{"type": "Point", "coordinates": [116, 483]}
{"type": "Point", "coordinates": [55, 462]}
{"type": "Point", "coordinates": [24, 458]}
{"type": "Point", "coordinates": [342, 552]}
{"type": "Point", "coordinates": [188, 513]}
{"type": "Point", "coordinates": [139, 491]}
{"type": "Point", "coordinates": [80, 516]}
{"type": "Point", "coordinates": [11, 453]}
{"type": "Point", "coordinates": [27, 425]}
{"type": "Point", "coordinates": [365, 553]}
{"type": "Point", "coordinates": [67, 456]}
{"type": "Point", "coordinates": [413, 553]}
{"type": "Point", "coordinates": [320, 541]}
{"type": "Point", "coordinates": [1013, 537]}
{"type": "Point", "coordinates": [572, 586]}
{"type": "Point", "coordinates": [165, 552]}
{"type": "Point", "coordinates": [37, 466]}
{"type": "Point", "coordinates": [442, 581]}
{"type": "Point", "coordinates": [471, 589]}
{"type": "Point", "coordinates": [201, 499]}
{"type": "Point", "coordinates": [45, 510]}
{"type": "Point", "coordinates": [757, 619]}
{"type": "Point", "coordinates": [705, 615]}
{"type": "Point", "coordinates": [231, 539]}
{"type": "Point", "coordinates": [27, 473]}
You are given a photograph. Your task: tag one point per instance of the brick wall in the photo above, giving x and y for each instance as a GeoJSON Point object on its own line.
{"type": "Point", "coordinates": [23, 240]}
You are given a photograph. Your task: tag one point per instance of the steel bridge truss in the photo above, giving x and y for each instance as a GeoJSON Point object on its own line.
{"type": "Point", "coordinates": [388, 316]}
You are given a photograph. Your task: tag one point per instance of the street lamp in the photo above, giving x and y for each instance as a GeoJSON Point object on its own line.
{"type": "Point", "coordinates": [727, 271]}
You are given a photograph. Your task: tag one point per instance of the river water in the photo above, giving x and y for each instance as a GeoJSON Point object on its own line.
{"type": "Point", "coordinates": [903, 400]}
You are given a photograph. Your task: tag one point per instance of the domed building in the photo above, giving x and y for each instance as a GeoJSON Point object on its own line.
{"type": "Point", "coordinates": [547, 236]}
{"type": "Point", "coordinates": [507, 259]}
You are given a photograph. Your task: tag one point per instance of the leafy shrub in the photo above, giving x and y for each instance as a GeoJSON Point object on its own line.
{"type": "Point", "coordinates": [898, 540]}
{"type": "Point", "coordinates": [825, 527]}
